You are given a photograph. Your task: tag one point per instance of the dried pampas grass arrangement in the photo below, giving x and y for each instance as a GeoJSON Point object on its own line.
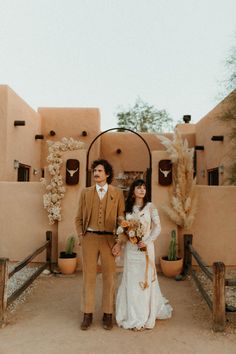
{"type": "Point", "coordinates": [183, 201]}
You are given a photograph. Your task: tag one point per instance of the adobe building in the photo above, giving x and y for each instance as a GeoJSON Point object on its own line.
{"type": "Point", "coordinates": [23, 163]}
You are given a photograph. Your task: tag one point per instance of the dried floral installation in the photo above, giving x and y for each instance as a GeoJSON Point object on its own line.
{"type": "Point", "coordinates": [183, 200]}
{"type": "Point", "coordinates": [55, 189]}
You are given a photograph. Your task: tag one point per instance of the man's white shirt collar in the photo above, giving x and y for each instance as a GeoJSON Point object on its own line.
{"type": "Point", "coordinates": [101, 193]}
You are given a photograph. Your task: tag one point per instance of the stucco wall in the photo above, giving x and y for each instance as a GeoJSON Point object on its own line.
{"type": "Point", "coordinates": [215, 227]}
{"type": "Point", "coordinates": [70, 122]}
{"type": "Point", "coordinates": [20, 140]}
{"type": "Point", "coordinates": [23, 220]}
{"type": "Point", "coordinates": [3, 132]}
{"type": "Point", "coordinates": [215, 153]}
{"type": "Point", "coordinates": [134, 155]}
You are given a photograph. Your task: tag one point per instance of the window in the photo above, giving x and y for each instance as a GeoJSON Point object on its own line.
{"type": "Point", "coordinates": [213, 177]}
{"type": "Point", "coordinates": [23, 173]}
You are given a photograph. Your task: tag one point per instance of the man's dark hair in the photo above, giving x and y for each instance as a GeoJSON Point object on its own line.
{"type": "Point", "coordinates": [107, 167]}
{"type": "Point", "coordinates": [129, 203]}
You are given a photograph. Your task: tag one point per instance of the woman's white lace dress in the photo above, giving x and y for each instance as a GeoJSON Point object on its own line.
{"type": "Point", "coordinates": [136, 306]}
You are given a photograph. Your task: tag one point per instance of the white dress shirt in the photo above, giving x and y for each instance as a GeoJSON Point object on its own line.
{"type": "Point", "coordinates": [101, 190]}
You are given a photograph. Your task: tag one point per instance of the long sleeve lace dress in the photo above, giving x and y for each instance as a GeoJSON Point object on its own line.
{"type": "Point", "coordinates": [139, 305]}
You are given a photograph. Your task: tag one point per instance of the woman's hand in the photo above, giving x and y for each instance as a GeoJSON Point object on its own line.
{"type": "Point", "coordinates": [141, 244]}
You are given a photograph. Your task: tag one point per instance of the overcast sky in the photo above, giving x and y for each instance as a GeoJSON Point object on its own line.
{"type": "Point", "coordinates": [106, 53]}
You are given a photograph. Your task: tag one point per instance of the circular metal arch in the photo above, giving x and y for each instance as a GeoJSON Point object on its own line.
{"type": "Point", "coordinates": [149, 170]}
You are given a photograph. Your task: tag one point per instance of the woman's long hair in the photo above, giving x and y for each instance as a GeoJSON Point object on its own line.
{"type": "Point", "coordinates": [129, 203]}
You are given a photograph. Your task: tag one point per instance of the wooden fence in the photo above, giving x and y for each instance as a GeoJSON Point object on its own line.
{"type": "Point", "coordinates": [5, 275]}
{"type": "Point", "coordinates": [217, 304]}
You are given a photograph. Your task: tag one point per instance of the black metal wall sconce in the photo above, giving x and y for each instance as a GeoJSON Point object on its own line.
{"type": "Point", "coordinates": [187, 118]}
{"type": "Point", "coordinates": [52, 133]}
{"type": "Point", "coordinates": [19, 123]}
{"type": "Point", "coordinates": [39, 136]}
{"type": "Point", "coordinates": [16, 164]}
{"type": "Point", "coordinates": [118, 151]}
{"type": "Point", "coordinates": [84, 133]}
{"type": "Point", "coordinates": [217, 138]}
{"type": "Point", "coordinates": [199, 147]}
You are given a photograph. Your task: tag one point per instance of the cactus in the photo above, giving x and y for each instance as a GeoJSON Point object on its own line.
{"type": "Point", "coordinates": [172, 252]}
{"type": "Point", "coordinates": [70, 244]}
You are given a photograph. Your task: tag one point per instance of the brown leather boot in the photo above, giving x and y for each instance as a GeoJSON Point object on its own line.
{"type": "Point", "coordinates": [87, 321]}
{"type": "Point", "coordinates": [107, 321]}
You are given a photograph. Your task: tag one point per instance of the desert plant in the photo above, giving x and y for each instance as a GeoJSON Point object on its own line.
{"type": "Point", "coordinates": [172, 251]}
{"type": "Point", "coordinates": [70, 244]}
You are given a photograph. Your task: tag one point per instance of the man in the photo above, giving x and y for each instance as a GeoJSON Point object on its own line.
{"type": "Point", "coordinates": [96, 222]}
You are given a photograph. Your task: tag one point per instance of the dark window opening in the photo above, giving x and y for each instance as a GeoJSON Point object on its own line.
{"type": "Point", "coordinates": [213, 177]}
{"type": "Point", "coordinates": [23, 173]}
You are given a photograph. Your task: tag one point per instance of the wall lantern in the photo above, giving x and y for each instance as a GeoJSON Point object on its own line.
{"type": "Point", "coordinates": [19, 122]}
{"type": "Point", "coordinates": [84, 133]}
{"type": "Point", "coordinates": [52, 133]}
{"type": "Point", "coordinates": [199, 147]}
{"type": "Point", "coordinates": [187, 118]}
{"type": "Point", "coordinates": [217, 138]}
{"type": "Point", "coordinates": [203, 173]}
{"type": "Point", "coordinates": [16, 164]}
{"type": "Point", "coordinates": [39, 136]}
{"type": "Point", "coordinates": [35, 171]}
{"type": "Point", "coordinates": [118, 151]}
{"type": "Point", "coordinates": [221, 169]}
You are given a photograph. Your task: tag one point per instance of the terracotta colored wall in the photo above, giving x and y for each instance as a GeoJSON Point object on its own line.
{"type": "Point", "coordinates": [134, 154]}
{"type": "Point", "coordinates": [215, 153]}
{"type": "Point", "coordinates": [70, 122]}
{"type": "Point", "coordinates": [3, 131]}
{"type": "Point", "coordinates": [20, 140]}
{"type": "Point", "coordinates": [23, 220]}
{"type": "Point", "coordinates": [215, 227]}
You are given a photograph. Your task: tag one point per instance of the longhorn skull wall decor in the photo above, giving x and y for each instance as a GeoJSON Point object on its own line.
{"type": "Point", "coordinates": [72, 171]}
{"type": "Point", "coordinates": [165, 172]}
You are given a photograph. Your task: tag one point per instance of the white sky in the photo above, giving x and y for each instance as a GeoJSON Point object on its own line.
{"type": "Point", "coordinates": [106, 53]}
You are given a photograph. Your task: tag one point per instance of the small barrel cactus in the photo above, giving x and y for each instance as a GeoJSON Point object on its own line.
{"type": "Point", "coordinates": [172, 252]}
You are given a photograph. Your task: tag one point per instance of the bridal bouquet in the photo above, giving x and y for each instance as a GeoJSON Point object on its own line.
{"type": "Point", "coordinates": [134, 231]}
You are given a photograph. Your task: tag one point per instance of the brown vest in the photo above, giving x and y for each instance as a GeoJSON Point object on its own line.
{"type": "Point", "coordinates": [97, 220]}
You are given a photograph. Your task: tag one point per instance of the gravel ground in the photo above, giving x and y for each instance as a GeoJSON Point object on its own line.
{"type": "Point", "coordinates": [230, 291]}
{"type": "Point", "coordinates": [17, 280]}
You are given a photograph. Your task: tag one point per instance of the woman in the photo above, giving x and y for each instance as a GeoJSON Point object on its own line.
{"type": "Point", "coordinates": [139, 300]}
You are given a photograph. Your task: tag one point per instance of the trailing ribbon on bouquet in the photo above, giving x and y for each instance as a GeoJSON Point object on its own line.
{"type": "Point", "coordinates": [144, 284]}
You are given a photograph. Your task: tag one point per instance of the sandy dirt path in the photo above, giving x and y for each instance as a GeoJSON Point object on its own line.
{"type": "Point", "coordinates": [48, 323]}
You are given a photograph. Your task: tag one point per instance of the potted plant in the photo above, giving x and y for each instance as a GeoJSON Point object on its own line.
{"type": "Point", "coordinates": [67, 260]}
{"type": "Point", "coordinates": [171, 265]}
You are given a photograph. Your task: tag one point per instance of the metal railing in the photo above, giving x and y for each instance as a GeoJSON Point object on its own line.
{"type": "Point", "coordinates": [5, 275]}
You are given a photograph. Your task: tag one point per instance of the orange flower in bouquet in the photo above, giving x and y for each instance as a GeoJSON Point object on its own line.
{"type": "Point", "coordinates": [133, 229]}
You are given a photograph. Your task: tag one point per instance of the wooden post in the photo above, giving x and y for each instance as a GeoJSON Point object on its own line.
{"type": "Point", "coordinates": [188, 239]}
{"type": "Point", "coordinates": [49, 249]}
{"type": "Point", "coordinates": [218, 315]}
{"type": "Point", "coordinates": [3, 290]}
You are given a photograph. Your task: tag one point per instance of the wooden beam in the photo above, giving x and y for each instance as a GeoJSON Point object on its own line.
{"type": "Point", "coordinates": [218, 315]}
{"type": "Point", "coordinates": [3, 290]}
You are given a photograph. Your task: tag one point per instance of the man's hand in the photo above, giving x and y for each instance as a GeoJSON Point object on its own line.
{"type": "Point", "coordinates": [116, 249]}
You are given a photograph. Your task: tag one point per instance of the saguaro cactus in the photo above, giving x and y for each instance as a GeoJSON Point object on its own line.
{"type": "Point", "coordinates": [172, 256]}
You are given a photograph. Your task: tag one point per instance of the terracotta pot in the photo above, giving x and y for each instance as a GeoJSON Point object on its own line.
{"type": "Point", "coordinates": [67, 264]}
{"type": "Point", "coordinates": [171, 268]}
